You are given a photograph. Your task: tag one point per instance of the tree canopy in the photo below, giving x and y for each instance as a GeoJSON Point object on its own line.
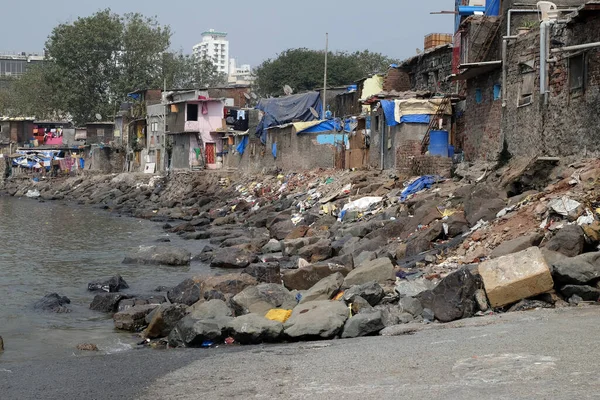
{"type": "Point", "coordinates": [92, 63]}
{"type": "Point", "coordinates": [302, 69]}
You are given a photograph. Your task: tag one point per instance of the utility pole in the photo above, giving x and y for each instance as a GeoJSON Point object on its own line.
{"type": "Point", "coordinates": [325, 77]}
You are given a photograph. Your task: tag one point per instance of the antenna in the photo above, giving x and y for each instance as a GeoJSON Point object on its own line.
{"type": "Point", "coordinates": [314, 112]}
{"type": "Point", "coordinates": [99, 117]}
{"type": "Point", "coordinates": [288, 90]}
{"type": "Point", "coordinates": [247, 96]}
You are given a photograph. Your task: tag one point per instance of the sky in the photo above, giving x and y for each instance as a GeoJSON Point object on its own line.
{"type": "Point", "coordinates": [257, 30]}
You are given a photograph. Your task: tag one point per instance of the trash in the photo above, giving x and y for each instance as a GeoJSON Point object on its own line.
{"type": "Point", "coordinates": [229, 341]}
{"type": "Point", "coordinates": [477, 226]}
{"type": "Point", "coordinates": [303, 264]}
{"type": "Point", "coordinates": [587, 219]}
{"type": "Point", "coordinates": [32, 193]}
{"type": "Point", "coordinates": [419, 184]}
{"type": "Point", "coordinates": [564, 206]}
{"type": "Point", "coordinates": [329, 181]}
{"type": "Point", "coordinates": [296, 219]}
{"type": "Point", "coordinates": [207, 343]}
{"type": "Point", "coordinates": [279, 315]}
{"type": "Point", "coordinates": [446, 212]}
{"type": "Point", "coordinates": [338, 296]}
{"type": "Point", "coordinates": [363, 205]}
{"type": "Point", "coordinates": [505, 211]}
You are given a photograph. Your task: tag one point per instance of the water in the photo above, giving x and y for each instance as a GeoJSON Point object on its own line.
{"type": "Point", "coordinates": [56, 247]}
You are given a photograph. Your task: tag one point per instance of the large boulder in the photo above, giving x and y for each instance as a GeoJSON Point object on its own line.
{"type": "Point", "coordinates": [273, 246]}
{"type": "Point", "coordinates": [422, 241]}
{"type": "Point", "coordinates": [325, 289]}
{"type": "Point", "coordinates": [364, 324]}
{"type": "Point", "coordinates": [164, 320]}
{"type": "Point", "coordinates": [413, 288]}
{"type": "Point", "coordinates": [260, 299]}
{"type": "Point", "coordinates": [133, 319]}
{"type": "Point", "coordinates": [319, 251]}
{"type": "Point", "coordinates": [154, 299]}
{"type": "Point", "coordinates": [587, 293]}
{"type": "Point", "coordinates": [210, 310]}
{"type": "Point", "coordinates": [317, 320]}
{"type": "Point", "coordinates": [233, 258]}
{"type": "Point", "coordinates": [159, 255]}
{"type": "Point", "coordinates": [282, 229]}
{"type": "Point", "coordinates": [53, 302]}
{"type": "Point", "coordinates": [229, 284]}
{"type": "Point", "coordinates": [370, 291]}
{"type": "Point", "coordinates": [454, 297]}
{"type": "Point", "coordinates": [107, 302]}
{"type": "Point", "coordinates": [187, 292]}
{"type": "Point", "coordinates": [305, 278]}
{"type": "Point", "coordinates": [569, 241]}
{"type": "Point", "coordinates": [516, 245]}
{"type": "Point", "coordinates": [380, 270]}
{"type": "Point", "coordinates": [579, 270]}
{"type": "Point", "coordinates": [515, 277]}
{"type": "Point", "coordinates": [483, 203]}
{"type": "Point", "coordinates": [411, 305]}
{"type": "Point", "coordinates": [190, 332]}
{"type": "Point", "coordinates": [111, 285]}
{"type": "Point", "coordinates": [254, 329]}
{"type": "Point", "coordinates": [264, 272]}
{"type": "Point", "coordinates": [457, 224]}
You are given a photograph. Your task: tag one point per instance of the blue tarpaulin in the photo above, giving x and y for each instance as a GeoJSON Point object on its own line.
{"type": "Point", "coordinates": [415, 119]}
{"type": "Point", "coordinates": [492, 8]}
{"type": "Point", "coordinates": [283, 110]}
{"type": "Point", "coordinates": [241, 148]}
{"type": "Point", "coordinates": [274, 150]}
{"type": "Point", "coordinates": [421, 183]}
{"type": "Point", "coordinates": [325, 126]}
{"type": "Point", "coordinates": [389, 110]}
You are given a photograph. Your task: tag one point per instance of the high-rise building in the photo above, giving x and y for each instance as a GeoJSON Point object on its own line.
{"type": "Point", "coordinates": [215, 47]}
{"type": "Point", "coordinates": [241, 75]}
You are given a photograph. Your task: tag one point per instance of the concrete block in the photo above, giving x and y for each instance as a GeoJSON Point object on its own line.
{"type": "Point", "coordinates": [516, 276]}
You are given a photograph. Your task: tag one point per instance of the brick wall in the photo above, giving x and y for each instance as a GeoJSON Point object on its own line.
{"type": "Point", "coordinates": [428, 71]}
{"type": "Point", "coordinates": [397, 80]}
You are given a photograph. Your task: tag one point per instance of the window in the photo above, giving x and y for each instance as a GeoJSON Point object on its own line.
{"type": "Point", "coordinates": [478, 96]}
{"type": "Point", "coordinates": [526, 89]}
{"type": "Point", "coordinates": [577, 72]}
{"type": "Point", "coordinates": [192, 112]}
{"type": "Point", "coordinates": [497, 91]}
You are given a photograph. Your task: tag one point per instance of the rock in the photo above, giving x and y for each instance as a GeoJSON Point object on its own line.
{"type": "Point", "coordinates": [527, 304]}
{"type": "Point", "coordinates": [273, 246]}
{"type": "Point", "coordinates": [516, 276]}
{"type": "Point", "coordinates": [298, 232]}
{"type": "Point", "coordinates": [190, 332]}
{"type": "Point", "coordinates": [159, 255]}
{"type": "Point", "coordinates": [1, 344]}
{"type": "Point", "coordinates": [282, 229]}
{"type": "Point", "coordinates": [210, 310]}
{"type": "Point", "coordinates": [482, 203]}
{"type": "Point", "coordinates": [254, 329]}
{"type": "Point", "coordinates": [587, 293]}
{"type": "Point", "coordinates": [592, 232]}
{"type": "Point", "coordinates": [411, 305]}
{"type": "Point", "coordinates": [164, 320]}
{"type": "Point", "coordinates": [133, 319]}
{"type": "Point", "coordinates": [481, 299]}
{"type": "Point", "coordinates": [264, 272]}
{"type": "Point", "coordinates": [516, 245]}
{"type": "Point", "coordinates": [140, 301]}
{"type": "Point", "coordinates": [360, 305]}
{"type": "Point", "coordinates": [413, 288]}
{"type": "Point", "coordinates": [421, 242]}
{"type": "Point", "coordinates": [453, 297]}
{"type": "Point", "coordinates": [53, 303]}
{"type": "Point", "coordinates": [569, 241]}
{"type": "Point", "coordinates": [392, 314]}
{"type": "Point", "coordinates": [260, 299]}
{"type": "Point", "coordinates": [325, 289]}
{"type": "Point", "coordinates": [233, 258]}
{"type": "Point", "coordinates": [457, 224]}
{"type": "Point", "coordinates": [305, 278]}
{"type": "Point", "coordinates": [364, 257]}
{"type": "Point", "coordinates": [575, 300]}
{"type": "Point", "coordinates": [319, 251]}
{"type": "Point", "coordinates": [111, 285]}
{"type": "Point", "coordinates": [372, 292]}
{"type": "Point", "coordinates": [400, 252]}
{"type": "Point", "coordinates": [364, 324]}
{"type": "Point", "coordinates": [579, 270]}
{"type": "Point", "coordinates": [107, 302]}
{"type": "Point", "coordinates": [316, 320]}
{"type": "Point", "coordinates": [87, 347]}
{"type": "Point", "coordinates": [428, 314]}
{"type": "Point", "coordinates": [380, 270]}
{"type": "Point", "coordinates": [229, 284]}
{"type": "Point", "coordinates": [187, 292]}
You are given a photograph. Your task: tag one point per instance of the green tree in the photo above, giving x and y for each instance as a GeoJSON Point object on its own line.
{"type": "Point", "coordinates": [302, 69]}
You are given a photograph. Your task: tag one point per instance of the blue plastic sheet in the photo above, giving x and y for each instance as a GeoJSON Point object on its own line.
{"type": "Point", "coordinates": [274, 150]}
{"type": "Point", "coordinates": [389, 110]}
{"type": "Point", "coordinates": [325, 126]}
{"type": "Point", "coordinates": [422, 183]}
{"type": "Point", "coordinates": [241, 148]}
{"type": "Point", "coordinates": [415, 119]}
{"type": "Point", "coordinates": [283, 110]}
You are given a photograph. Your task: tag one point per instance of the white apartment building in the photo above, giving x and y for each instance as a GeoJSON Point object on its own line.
{"type": "Point", "coordinates": [215, 47]}
{"type": "Point", "coordinates": [241, 75]}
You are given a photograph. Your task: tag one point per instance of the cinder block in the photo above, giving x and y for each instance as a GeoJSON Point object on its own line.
{"type": "Point", "coordinates": [516, 276]}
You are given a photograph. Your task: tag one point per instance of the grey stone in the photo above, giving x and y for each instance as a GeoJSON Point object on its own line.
{"type": "Point", "coordinates": [428, 314]}
{"type": "Point", "coordinates": [365, 256]}
{"type": "Point", "coordinates": [380, 270]}
{"type": "Point", "coordinates": [411, 305]}
{"type": "Point", "coordinates": [393, 314]}
{"type": "Point", "coordinates": [273, 246]}
{"type": "Point", "coordinates": [141, 301]}
{"type": "Point", "coordinates": [133, 319]}
{"type": "Point", "coordinates": [578, 270]}
{"type": "Point", "coordinates": [187, 292]}
{"type": "Point", "coordinates": [53, 303]}
{"type": "Point", "coordinates": [360, 305]}
{"type": "Point", "coordinates": [264, 272]}
{"type": "Point", "coordinates": [254, 329]}
{"type": "Point", "coordinates": [316, 252]}
{"type": "Point", "coordinates": [413, 288]}
{"type": "Point", "coordinates": [190, 332]}
{"type": "Point", "coordinates": [111, 285]}
{"type": "Point", "coordinates": [164, 320]}
{"type": "Point", "coordinates": [370, 291]}
{"type": "Point", "coordinates": [587, 293]}
{"type": "Point", "coordinates": [325, 289]}
{"type": "Point", "coordinates": [281, 229]}
{"type": "Point", "coordinates": [159, 255]}
{"type": "Point", "coordinates": [516, 245]}
{"type": "Point", "coordinates": [364, 324]}
{"type": "Point", "coordinates": [228, 284]}
{"type": "Point", "coordinates": [233, 258]}
{"type": "Point", "coordinates": [305, 278]}
{"type": "Point", "coordinates": [481, 299]}
{"type": "Point", "coordinates": [107, 302]}
{"type": "Point", "coordinates": [453, 297]}
{"type": "Point", "coordinates": [317, 320]}
{"type": "Point", "coordinates": [569, 241]}
{"type": "Point", "coordinates": [210, 310]}
{"type": "Point", "coordinates": [262, 298]}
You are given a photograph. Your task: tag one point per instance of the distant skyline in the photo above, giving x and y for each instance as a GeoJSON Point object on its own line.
{"type": "Point", "coordinates": [256, 32]}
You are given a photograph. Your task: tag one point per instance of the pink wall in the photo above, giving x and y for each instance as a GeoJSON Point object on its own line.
{"type": "Point", "coordinates": [54, 141]}
{"type": "Point", "coordinates": [208, 123]}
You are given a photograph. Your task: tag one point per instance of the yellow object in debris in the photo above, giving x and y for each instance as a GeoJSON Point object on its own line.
{"type": "Point", "coordinates": [447, 212]}
{"type": "Point", "coordinates": [277, 314]}
{"type": "Point", "coordinates": [338, 296]}
{"type": "Point", "coordinates": [598, 211]}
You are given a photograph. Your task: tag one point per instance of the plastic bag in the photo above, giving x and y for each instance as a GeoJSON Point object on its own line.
{"type": "Point", "coordinates": [279, 315]}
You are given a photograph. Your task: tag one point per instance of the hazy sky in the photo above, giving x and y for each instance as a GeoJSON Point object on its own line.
{"type": "Point", "coordinates": [257, 29]}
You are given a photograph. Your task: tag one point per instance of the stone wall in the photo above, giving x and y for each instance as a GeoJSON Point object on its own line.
{"type": "Point", "coordinates": [428, 71]}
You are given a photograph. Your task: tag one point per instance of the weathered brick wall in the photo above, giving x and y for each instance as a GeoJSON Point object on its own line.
{"type": "Point", "coordinates": [428, 71]}
{"type": "Point", "coordinates": [397, 80]}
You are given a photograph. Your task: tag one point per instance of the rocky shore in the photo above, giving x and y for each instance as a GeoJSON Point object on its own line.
{"type": "Point", "coordinates": [325, 254]}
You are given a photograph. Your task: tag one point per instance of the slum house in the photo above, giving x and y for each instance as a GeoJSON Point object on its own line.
{"type": "Point", "coordinates": [106, 153]}
{"type": "Point", "coordinates": [192, 120]}
{"type": "Point", "coordinates": [156, 139]}
{"type": "Point", "coordinates": [483, 55]}
{"type": "Point", "coordinates": [14, 131]}
{"type": "Point", "coordinates": [240, 96]}
{"type": "Point", "coordinates": [135, 126]}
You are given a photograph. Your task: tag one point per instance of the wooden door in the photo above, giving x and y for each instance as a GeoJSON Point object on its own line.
{"type": "Point", "coordinates": [210, 153]}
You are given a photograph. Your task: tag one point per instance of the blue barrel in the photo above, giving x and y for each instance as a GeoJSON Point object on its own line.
{"type": "Point", "coordinates": [450, 151]}
{"type": "Point", "coordinates": [438, 143]}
